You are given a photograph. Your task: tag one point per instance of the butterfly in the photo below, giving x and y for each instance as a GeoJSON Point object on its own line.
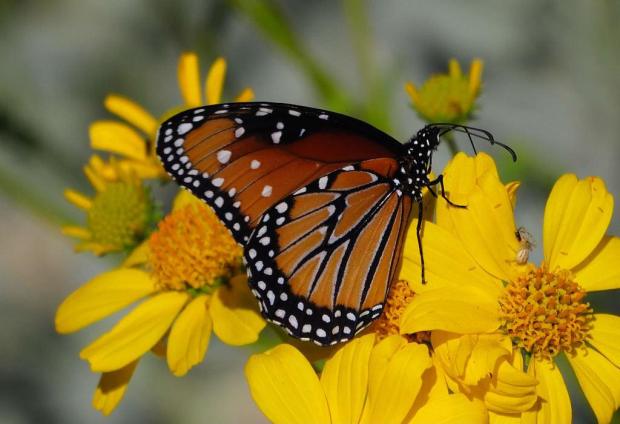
{"type": "Point", "coordinates": [319, 201]}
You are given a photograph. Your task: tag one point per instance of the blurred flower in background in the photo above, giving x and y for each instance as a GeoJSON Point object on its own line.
{"type": "Point", "coordinates": [448, 98]}
{"type": "Point", "coordinates": [120, 215]}
{"type": "Point", "coordinates": [188, 276]}
{"type": "Point", "coordinates": [187, 273]}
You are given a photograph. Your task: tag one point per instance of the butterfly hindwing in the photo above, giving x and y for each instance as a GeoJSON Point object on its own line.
{"type": "Point", "coordinates": [321, 261]}
{"type": "Point", "coordinates": [243, 158]}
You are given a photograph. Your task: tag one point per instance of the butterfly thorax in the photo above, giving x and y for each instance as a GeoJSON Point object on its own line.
{"type": "Point", "coordinates": [415, 163]}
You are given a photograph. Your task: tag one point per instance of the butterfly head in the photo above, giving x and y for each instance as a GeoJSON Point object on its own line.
{"type": "Point", "coordinates": [416, 163]}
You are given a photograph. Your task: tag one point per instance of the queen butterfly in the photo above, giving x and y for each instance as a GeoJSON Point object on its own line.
{"type": "Point", "coordinates": [319, 201]}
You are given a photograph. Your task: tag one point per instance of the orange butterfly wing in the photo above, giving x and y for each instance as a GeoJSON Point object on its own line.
{"type": "Point", "coordinates": [321, 261]}
{"type": "Point", "coordinates": [243, 158]}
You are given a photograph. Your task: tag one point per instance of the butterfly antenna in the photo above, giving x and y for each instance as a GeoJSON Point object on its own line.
{"type": "Point", "coordinates": [476, 132]}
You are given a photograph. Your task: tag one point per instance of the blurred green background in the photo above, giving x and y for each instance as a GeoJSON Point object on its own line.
{"type": "Point", "coordinates": [551, 90]}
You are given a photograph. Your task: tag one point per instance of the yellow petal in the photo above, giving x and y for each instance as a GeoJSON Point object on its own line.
{"type": "Point", "coordinates": [457, 309]}
{"type": "Point", "coordinates": [486, 227]}
{"type": "Point", "coordinates": [77, 232]}
{"type": "Point", "coordinates": [138, 256]}
{"type": "Point", "coordinates": [475, 76]}
{"type": "Point", "coordinates": [462, 173]}
{"type": "Point", "coordinates": [189, 79]}
{"type": "Point", "coordinates": [447, 263]}
{"type": "Point", "coordinates": [451, 409]}
{"type": "Point", "coordinates": [236, 320]}
{"type": "Point", "coordinates": [511, 390]}
{"type": "Point", "coordinates": [116, 137]}
{"type": "Point", "coordinates": [512, 381]}
{"type": "Point", "coordinates": [470, 358]}
{"type": "Point", "coordinates": [247, 95]}
{"type": "Point", "coordinates": [143, 169]}
{"type": "Point", "coordinates": [495, 418]}
{"type": "Point", "coordinates": [454, 69]}
{"type": "Point", "coordinates": [184, 198]}
{"type": "Point", "coordinates": [600, 381]}
{"type": "Point", "coordinates": [555, 406]}
{"type": "Point", "coordinates": [78, 199]}
{"type": "Point", "coordinates": [601, 270]}
{"type": "Point", "coordinates": [413, 92]}
{"type": "Point", "coordinates": [394, 381]}
{"type": "Point", "coordinates": [101, 297]}
{"type": "Point", "coordinates": [136, 333]}
{"type": "Point", "coordinates": [512, 188]}
{"type": "Point", "coordinates": [189, 337]}
{"type": "Point", "coordinates": [491, 355]}
{"type": "Point", "coordinates": [111, 388]}
{"type": "Point", "coordinates": [501, 404]}
{"type": "Point", "coordinates": [577, 215]}
{"type": "Point", "coordinates": [95, 179]}
{"type": "Point", "coordinates": [286, 388]}
{"type": "Point", "coordinates": [605, 336]}
{"type": "Point", "coordinates": [96, 248]}
{"type": "Point", "coordinates": [433, 386]}
{"type": "Point", "coordinates": [215, 81]}
{"type": "Point", "coordinates": [345, 379]}
{"type": "Point", "coordinates": [131, 112]}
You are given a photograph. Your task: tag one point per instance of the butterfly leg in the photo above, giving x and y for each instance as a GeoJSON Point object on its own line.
{"type": "Point", "coordinates": [419, 234]}
{"type": "Point", "coordinates": [439, 180]}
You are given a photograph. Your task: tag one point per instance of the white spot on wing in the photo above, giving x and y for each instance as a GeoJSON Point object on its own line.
{"type": "Point", "coordinates": [293, 321]}
{"type": "Point", "coordinates": [255, 164]}
{"type": "Point", "coordinates": [267, 190]}
{"type": "Point", "coordinates": [184, 127]}
{"type": "Point", "coordinates": [275, 136]}
{"type": "Point", "coordinates": [223, 156]}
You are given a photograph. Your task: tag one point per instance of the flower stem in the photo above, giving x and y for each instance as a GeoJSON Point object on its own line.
{"type": "Point", "coordinates": [31, 199]}
{"type": "Point", "coordinates": [269, 18]}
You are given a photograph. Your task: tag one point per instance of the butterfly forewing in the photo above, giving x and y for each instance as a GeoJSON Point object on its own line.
{"type": "Point", "coordinates": [321, 261]}
{"type": "Point", "coordinates": [243, 158]}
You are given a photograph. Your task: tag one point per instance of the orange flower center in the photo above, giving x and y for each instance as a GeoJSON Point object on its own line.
{"type": "Point", "coordinates": [192, 250]}
{"type": "Point", "coordinates": [388, 323]}
{"type": "Point", "coordinates": [544, 312]}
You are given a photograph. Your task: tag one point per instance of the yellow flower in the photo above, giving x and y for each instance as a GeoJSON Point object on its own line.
{"type": "Point", "coordinates": [477, 284]}
{"type": "Point", "coordinates": [448, 98]}
{"type": "Point", "coordinates": [120, 214]}
{"type": "Point", "coordinates": [133, 138]}
{"type": "Point", "coordinates": [479, 366]}
{"type": "Point", "coordinates": [391, 382]}
{"type": "Point", "coordinates": [185, 276]}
